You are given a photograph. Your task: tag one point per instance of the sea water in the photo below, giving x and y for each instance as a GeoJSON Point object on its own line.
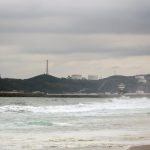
{"type": "Point", "coordinates": [73, 123]}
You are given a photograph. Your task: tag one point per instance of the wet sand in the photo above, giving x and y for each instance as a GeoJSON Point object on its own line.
{"type": "Point", "coordinates": [143, 147]}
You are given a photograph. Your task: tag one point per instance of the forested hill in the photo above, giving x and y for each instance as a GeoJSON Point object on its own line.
{"type": "Point", "coordinates": [51, 84]}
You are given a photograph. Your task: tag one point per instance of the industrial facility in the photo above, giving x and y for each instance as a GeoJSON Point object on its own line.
{"type": "Point", "coordinates": [142, 83]}
{"type": "Point", "coordinates": [92, 77]}
{"type": "Point", "coordinates": [76, 77]}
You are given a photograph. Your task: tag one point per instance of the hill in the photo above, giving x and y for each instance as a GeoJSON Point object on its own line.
{"type": "Point", "coordinates": [51, 84]}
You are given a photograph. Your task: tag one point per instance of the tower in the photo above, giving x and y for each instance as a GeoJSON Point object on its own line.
{"type": "Point", "coordinates": [121, 88]}
{"type": "Point", "coordinates": [46, 67]}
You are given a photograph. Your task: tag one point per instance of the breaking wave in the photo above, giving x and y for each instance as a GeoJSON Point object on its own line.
{"type": "Point", "coordinates": [113, 104]}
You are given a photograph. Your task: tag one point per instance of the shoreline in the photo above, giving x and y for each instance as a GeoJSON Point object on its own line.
{"type": "Point", "coordinates": [142, 147]}
{"type": "Point", "coordinates": [73, 95]}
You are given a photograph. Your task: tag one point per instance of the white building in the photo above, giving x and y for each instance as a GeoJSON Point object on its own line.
{"type": "Point", "coordinates": [140, 92]}
{"type": "Point", "coordinates": [76, 77]}
{"type": "Point", "coordinates": [142, 84]}
{"type": "Point", "coordinates": [121, 88]}
{"type": "Point", "coordinates": [92, 77]}
{"type": "Point", "coordinates": [140, 79]}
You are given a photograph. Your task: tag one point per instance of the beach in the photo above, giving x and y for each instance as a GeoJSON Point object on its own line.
{"type": "Point", "coordinates": [37, 123]}
{"type": "Point", "coordinates": [144, 147]}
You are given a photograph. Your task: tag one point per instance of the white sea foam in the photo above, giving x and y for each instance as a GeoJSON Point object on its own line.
{"type": "Point", "coordinates": [105, 106]}
{"type": "Point", "coordinates": [62, 124]}
{"type": "Point", "coordinates": [74, 123]}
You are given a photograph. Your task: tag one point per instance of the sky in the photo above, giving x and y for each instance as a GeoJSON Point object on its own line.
{"type": "Point", "coordinates": [97, 37]}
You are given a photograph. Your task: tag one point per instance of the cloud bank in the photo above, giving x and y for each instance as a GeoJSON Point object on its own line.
{"type": "Point", "coordinates": [72, 34]}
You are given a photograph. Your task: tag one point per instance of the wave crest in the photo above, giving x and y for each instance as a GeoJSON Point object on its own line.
{"type": "Point", "coordinates": [101, 106]}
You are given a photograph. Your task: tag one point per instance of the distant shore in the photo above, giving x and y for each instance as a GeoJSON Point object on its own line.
{"type": "Point", "coordinates": [71, 95]}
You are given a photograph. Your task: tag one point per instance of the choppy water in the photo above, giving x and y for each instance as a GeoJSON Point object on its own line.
{"type": "Point", "coordinates": [65, 123]}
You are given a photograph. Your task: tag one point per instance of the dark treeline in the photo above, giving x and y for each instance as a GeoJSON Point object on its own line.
{"type": "Point", "coordinates": [51, 84]}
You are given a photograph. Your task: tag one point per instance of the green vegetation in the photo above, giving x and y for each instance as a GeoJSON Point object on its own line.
{"type": "Point", "coordinates": [50, 84]}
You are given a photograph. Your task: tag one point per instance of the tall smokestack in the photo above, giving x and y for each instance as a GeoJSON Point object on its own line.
{"type": "Point", "coordinates": [47, 67]}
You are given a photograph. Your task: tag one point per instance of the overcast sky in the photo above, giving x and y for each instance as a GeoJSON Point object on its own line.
{"type": "Point", "coordinates": [99, 37]}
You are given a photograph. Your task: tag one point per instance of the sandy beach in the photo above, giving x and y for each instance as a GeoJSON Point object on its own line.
{"type": "Point", "coordinates": [143, 147]}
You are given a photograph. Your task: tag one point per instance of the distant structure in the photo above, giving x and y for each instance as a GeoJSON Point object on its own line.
{"type": "Point", "coordinates": [140, 79]}
{"type": "Point", "coordinates": [92, 77]}
{"type": "Point", "coordinates": [76, 77]}
{"type": "Point", "coordinates": [46, 67]}
{"type": "Point", "coordinates": [84, 78]}
{"type": "Point", "coordinates": [121, 88]}
{"type": "Point", "coordinates": [141, 84]}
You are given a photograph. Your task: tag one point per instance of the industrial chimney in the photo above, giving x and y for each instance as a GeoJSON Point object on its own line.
{"type": "Point", "coordinates": [46, 67]}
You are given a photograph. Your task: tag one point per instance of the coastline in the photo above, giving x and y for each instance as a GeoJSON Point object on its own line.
{"type": "Point", "coordinates": [142, 147]}
{"type": "Point", "coordinates": [72, 95]}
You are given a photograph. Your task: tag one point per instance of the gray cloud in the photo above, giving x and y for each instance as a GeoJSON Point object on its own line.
{"type": "Point", "coordinates": [73, 30]}
{"type": "Point", "coordinates": [74, 16]}
{"type": "Point", "coordinates": [109, 45]}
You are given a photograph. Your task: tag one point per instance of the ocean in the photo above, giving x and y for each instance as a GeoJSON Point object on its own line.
{"type": "Point", "coordinates": [73, 123]}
